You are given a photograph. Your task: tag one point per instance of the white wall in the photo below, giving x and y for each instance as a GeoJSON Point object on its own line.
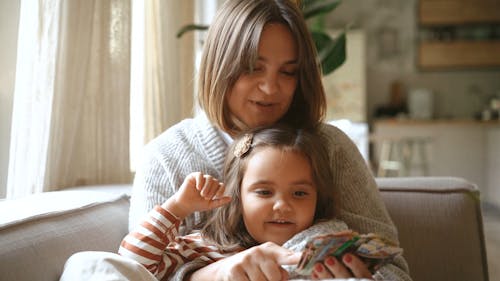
{"type": "Point", "coordinates": [9, 19]}
{"type": "Point", "coordinates": [346, 87]}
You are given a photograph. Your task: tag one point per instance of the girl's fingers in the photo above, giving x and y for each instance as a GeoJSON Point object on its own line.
{"type": "Point", "coordinates": [219, 202]}
{"type": "Point", "coordinates": [220, 190]}
{"type": "Point", "coordinates": [271, 271]}
{"type": "Point", "coordinates": [200, 180]}
{"type": "Point", "coordinates": [208, 189]}
{"type": "Point", "coordinates": [212, 188]}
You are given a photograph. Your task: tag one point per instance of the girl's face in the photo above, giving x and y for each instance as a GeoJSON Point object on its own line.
{"type": "Point", "coordinates": [278, 195]}
{"type": "Point", "coordinates": [262, 97]}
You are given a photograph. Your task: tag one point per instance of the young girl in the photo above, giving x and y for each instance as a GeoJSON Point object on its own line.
{"type": "Point", "coordinates": [276, 188]}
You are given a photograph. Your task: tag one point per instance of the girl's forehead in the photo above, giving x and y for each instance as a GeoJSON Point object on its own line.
{"type": "Point", "coordinates": [269, 153]}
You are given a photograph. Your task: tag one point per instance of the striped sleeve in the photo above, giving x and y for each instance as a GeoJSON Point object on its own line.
{"type": "Point", "coordinates": [156, 245]}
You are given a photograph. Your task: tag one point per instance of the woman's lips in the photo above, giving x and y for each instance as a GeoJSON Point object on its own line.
{"type": "Point", "coordinates": [262, 103]}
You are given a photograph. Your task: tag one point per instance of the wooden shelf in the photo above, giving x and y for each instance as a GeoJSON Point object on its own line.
{"type": "Point", "coordinates": [459, 54]}
{"type": "Point", "coordinates": [453, 12]}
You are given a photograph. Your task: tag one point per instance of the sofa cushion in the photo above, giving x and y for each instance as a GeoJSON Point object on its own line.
{"type": "Point", "coordinates": [38, 233]}
{"type": "Point", "coordinates": [440, 226]}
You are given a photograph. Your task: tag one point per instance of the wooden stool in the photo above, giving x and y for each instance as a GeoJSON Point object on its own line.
{"type": "Point", "coordinates": [400, 154]}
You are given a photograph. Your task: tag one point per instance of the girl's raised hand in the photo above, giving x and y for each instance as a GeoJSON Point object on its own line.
{"type": "Point", "coordinates": [198, 192]}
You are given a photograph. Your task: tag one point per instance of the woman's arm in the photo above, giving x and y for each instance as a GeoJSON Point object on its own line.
{"type": "Point", "coordinates": [361, 206]}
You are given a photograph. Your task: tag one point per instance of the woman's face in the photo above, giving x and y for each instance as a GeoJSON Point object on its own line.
{"type": "Point", "coordinates": [262, 97]}
{"type": "Point", "coordinates": [278, 195]}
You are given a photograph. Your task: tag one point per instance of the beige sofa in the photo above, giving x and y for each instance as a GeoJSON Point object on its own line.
{"type": "Point", "coordinates": [439, 222]}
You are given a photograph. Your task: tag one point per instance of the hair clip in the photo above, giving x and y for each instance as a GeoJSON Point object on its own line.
{"type": "Point", "coordinates": [243, 146]}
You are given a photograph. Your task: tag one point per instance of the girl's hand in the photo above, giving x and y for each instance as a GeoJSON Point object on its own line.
{"type": "Point", "coordinates": [332, 268]}
{"type": "Point", "coordinates": [198, 192]}
{"type": "Point", "coordinates": [262, 262]}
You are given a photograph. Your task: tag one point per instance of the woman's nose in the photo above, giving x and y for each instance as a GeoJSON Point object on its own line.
{"type": "Point", "coordinates": [269, 84]}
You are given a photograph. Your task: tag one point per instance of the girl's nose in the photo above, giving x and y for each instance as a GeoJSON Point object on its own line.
{"type": "Point", "coordinates": [282, 205]}
{"type": "Point", "coordinates": [269, 84]}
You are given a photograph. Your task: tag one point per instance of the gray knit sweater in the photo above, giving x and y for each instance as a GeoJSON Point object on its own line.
{"type": "Point", "coordinates": [196, 145]}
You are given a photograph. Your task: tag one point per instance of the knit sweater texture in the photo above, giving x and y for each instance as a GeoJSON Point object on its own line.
{"type": "Point", "coordinates": [197, 145]}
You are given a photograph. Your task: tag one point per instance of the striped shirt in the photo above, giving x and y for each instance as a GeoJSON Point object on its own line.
{"type": "Point", "coordinates": [156, 244]}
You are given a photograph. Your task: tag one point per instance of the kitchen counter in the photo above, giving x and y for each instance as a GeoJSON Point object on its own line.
{"type": "Point", "coordinates": [447, 122]}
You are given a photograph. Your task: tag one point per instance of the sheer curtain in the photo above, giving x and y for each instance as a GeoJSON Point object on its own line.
{"type": "Point", "coordinates": [162, 84]}
{"type": "Point", "coordinates": [71, 103]}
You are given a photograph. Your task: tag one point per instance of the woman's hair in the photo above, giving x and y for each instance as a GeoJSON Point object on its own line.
{"type": "Point", "coordinates": [225, 226]}
{"type": "Point", "coordinates": [231, 48]}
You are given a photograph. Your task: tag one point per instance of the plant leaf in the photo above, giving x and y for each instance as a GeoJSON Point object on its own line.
{"type": "Point", "coordinates": [190, 27]}
{"type": "Point", "coordinates": [331, 52]}
{"type": "Point", "coordinates": [312, 8]}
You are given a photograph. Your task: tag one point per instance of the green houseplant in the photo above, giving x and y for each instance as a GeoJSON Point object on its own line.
{"type": "Point", "coordinates": [331, 51]}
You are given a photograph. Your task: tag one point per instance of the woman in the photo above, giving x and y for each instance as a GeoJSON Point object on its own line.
{"type": "Point", "coordinates": [258, 68]}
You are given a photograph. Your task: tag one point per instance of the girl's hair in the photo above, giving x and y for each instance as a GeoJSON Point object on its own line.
{"type": "Point", "coordinates": [231, 48]}
{"type": "Point", "coordinates": [225, 226]}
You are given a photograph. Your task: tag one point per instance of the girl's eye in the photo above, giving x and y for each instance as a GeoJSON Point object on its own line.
{"type": "Point", "coordinates": [263, 192]}
{"type": "Point", "coordinates": [300, 193]}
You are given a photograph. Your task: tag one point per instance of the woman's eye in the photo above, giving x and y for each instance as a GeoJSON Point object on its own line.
{"type": "Point", "coordinates": [257, 68]}
{"type": "Point", "coordinates": [289, 73]}
{"type": "Point", "coordinates": [252, 70]}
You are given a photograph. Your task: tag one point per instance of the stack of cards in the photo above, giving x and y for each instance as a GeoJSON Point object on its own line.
{"type": "Point", "coordinates": [371, 248]}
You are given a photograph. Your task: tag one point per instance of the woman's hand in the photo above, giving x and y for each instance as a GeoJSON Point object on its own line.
{"type": "Point", "coordinates": [332, 268]}
{"type": "Point", "coordinates": [259, 263]}
{"type": "Point", "coordinates": [198, 192]}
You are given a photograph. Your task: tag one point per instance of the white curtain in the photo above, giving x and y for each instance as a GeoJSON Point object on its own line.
{"type": "Point", "coordinates": [71, 103]}
{"type": "Point", "coordinates": [162, 84]}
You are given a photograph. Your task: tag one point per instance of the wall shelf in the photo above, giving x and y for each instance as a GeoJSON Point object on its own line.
{"type": "Point", "coordinates": [459, 54]}
{"type": "Point", "coordinates": [459, 34]}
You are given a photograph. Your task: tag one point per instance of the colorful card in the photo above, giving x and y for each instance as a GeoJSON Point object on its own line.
{"type": "Point", "coordinates": [374, 250]}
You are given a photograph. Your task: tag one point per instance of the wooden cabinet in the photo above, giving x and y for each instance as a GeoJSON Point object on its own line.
{"type": "Point", "coordinates": [472, 34]}
{"type": "Point", "coordinates": [459, 54]}
{"type": "Point", "coordinates": [451, 12]}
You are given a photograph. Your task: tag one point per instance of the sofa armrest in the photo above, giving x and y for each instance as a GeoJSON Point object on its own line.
{"type": "Point", "coordinates": [40, 232]}
{"type": "Point", "coordinates": [440, 226]}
